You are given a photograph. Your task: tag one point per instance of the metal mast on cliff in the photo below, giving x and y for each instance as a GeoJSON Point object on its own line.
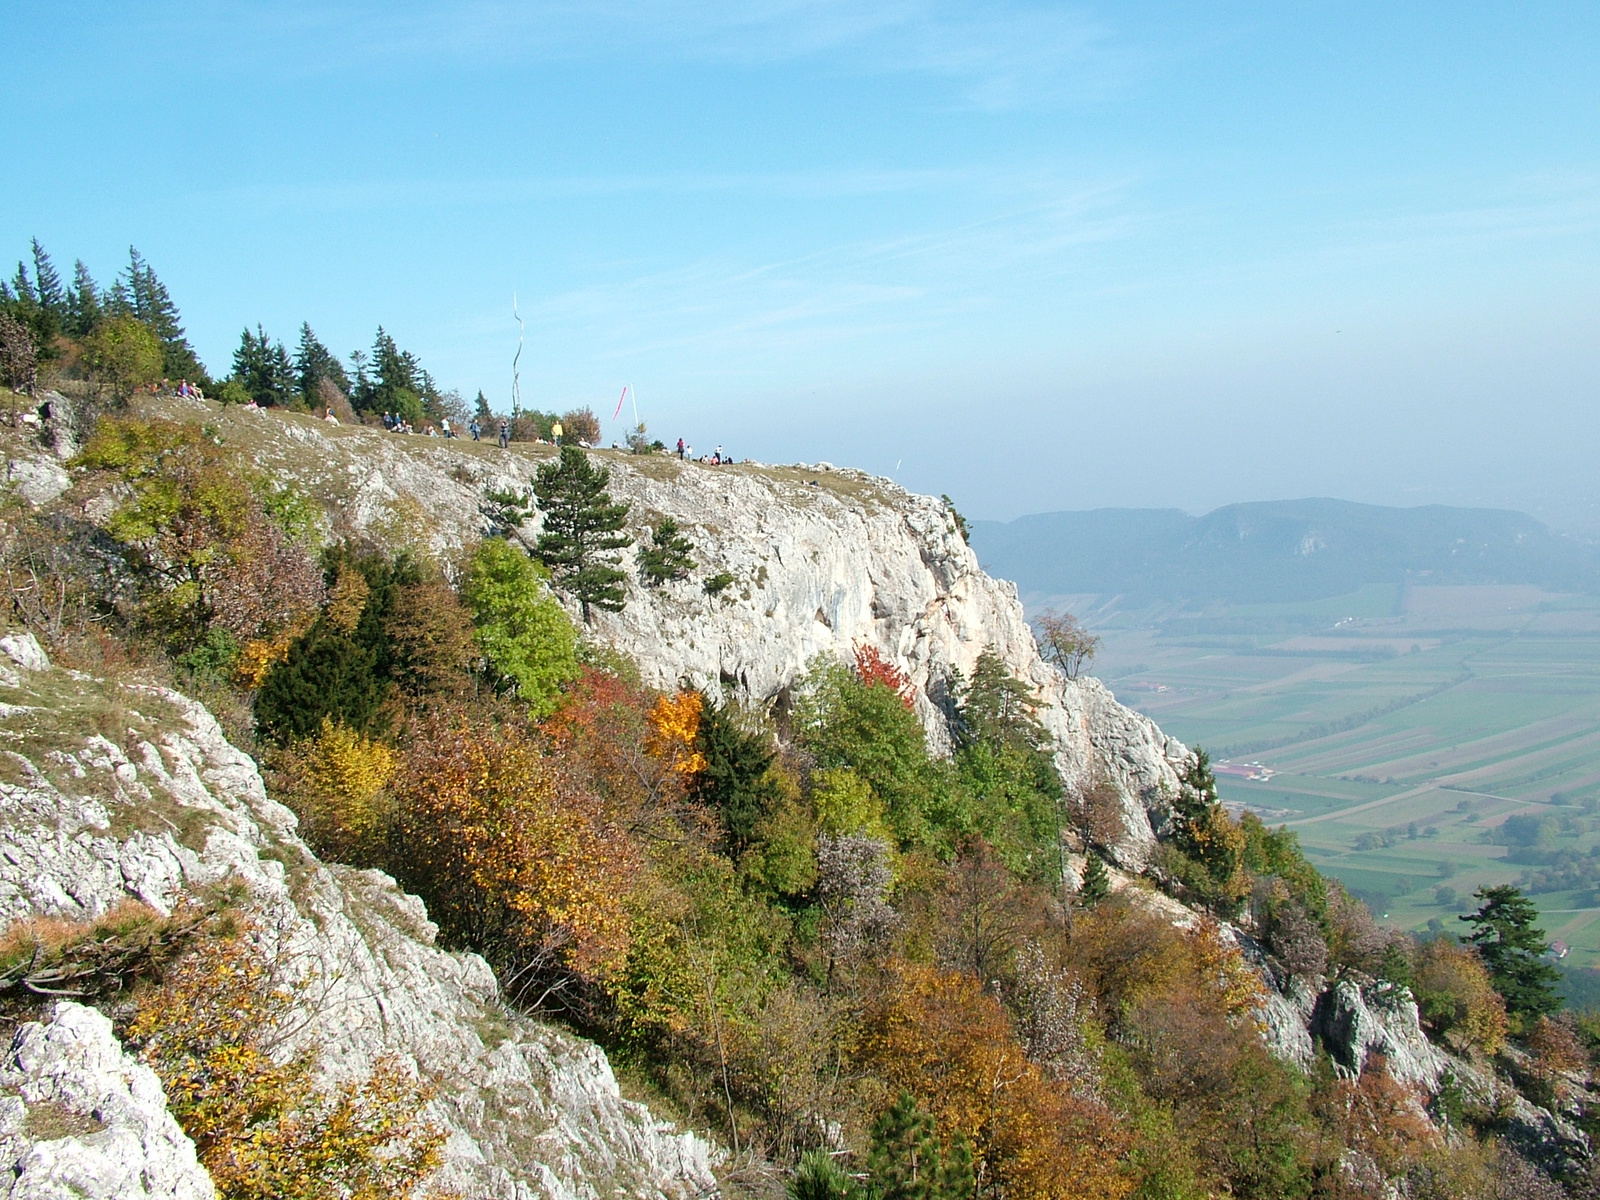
{"type": "Point", "coordinates": [516, 379]}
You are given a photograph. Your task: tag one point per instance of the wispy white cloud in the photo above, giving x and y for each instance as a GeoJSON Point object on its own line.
{"type": "Point", "coordinates": [990, 56]}
{"type": "Point", "coordinates": [857, 291]}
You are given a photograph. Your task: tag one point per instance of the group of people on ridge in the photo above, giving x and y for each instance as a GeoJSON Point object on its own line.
{"type": "Point", "coordinates": [716, 459]}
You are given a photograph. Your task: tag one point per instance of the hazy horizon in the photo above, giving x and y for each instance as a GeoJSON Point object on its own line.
{"type": "Point", "coordinates": [1039, 257]}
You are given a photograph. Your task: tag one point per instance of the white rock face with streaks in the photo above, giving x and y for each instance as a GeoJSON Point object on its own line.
{"type": "Point", "coordinates": [823, 560]}
{"type": "Point", "coordinates": [79, 1117]}
{"type": "Point", "coordinates": [171, 807]}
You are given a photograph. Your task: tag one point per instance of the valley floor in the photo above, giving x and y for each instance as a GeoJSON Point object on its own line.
{"type": "Point", "coordinates": [1398, 730]}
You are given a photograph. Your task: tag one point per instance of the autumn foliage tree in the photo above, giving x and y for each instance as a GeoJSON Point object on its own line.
{"type": "Point", "coordinates": [198, 537]}
{"type": "Point", "coordinates": [873, 668]}
{"type": "Point", "coordinates": [215, 1032]}
{"type": "Point", "coordinates": [939, 1037]}
{"type": "Point", "coordinates": [337, 783]}
{"type": "Point", "coordinates": [636, 752]}
{"type": "Point", "coordinates": [512, 860]}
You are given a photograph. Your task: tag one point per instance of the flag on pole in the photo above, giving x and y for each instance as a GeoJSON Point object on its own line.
{"type": "Point", "coordinates": [620, 399]}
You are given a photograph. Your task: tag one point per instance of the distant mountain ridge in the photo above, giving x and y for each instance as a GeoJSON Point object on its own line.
{"type": "Point", "coordinates": [1277, 551]}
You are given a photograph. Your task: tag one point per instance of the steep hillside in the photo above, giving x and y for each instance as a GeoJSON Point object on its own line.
{"type": "Point", "coordinates": [823, 560]}
{"type": "Point", "coordinates": [1276, 551]}
{"type": "Point", "coordinates": [782, 923]}
{"type": "Point", "coordinates": [111, 792]}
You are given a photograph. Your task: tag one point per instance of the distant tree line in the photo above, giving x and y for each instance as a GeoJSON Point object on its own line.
{"type": "Point", "coordinates": [121, 337]}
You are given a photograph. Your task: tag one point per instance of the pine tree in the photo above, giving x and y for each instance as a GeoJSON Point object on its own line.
{"type": "Point", "coordinates": [734, 783]}
{"type": "Point", "coordinates": [313, 362]}
{"type": "Point", "coordinates": [906, 1161]}
{"type": "Point", "coordinates": [1512, 946]}
{"type": "Point", "coordinates": [582, 531]}
{"type": "Point", "coordinates": [47, 283]}
{"type": "Point", "coordinates": [483, 413]}
{"type": "Point", "coordinates": [818, 1177]}
{"type": "Point", "coordinates": [1096, 885]}
{"type": "Point", "coordinates": [996, 708]}
{"type": "Point", "coordinates": [667, 556]}
{"type": "Point", "coordinates": [505, 509]}
{"type": "Point", "coordinates": [83, 304]}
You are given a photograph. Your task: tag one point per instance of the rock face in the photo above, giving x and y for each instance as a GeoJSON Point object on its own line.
{"type": "Point", "coordinates": [822, 560]}
{"type": "Point", "coordinates": [169, 806]}
{"type": "Point", "coordinates": [80, 1118]}
{"type": "Point", "coordinates": [1356, 1022]}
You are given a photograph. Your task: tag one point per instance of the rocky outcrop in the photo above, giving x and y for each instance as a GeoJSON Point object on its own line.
{"type": "Point", "coordinates": [1355, 1022]}
{"type": "Point", "coordinates": [822, 560]}
{"type": "Point", "coordinates": [79, 1117]}
{"type": "Point", "coordinates": [157, 804]}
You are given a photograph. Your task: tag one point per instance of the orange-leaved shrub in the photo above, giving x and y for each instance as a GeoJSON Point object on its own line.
{"type": "Point", "coordinates": [939, 1036]}
{"type": "Point", "coordinates": [513, 857]}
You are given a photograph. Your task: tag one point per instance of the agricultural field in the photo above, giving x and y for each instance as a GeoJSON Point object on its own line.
{"type": "Point", "coordinates": [1422, 741]}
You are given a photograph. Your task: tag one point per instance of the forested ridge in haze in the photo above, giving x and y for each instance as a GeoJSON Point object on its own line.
{"type": "Point", "coordinates": [1276, 551]}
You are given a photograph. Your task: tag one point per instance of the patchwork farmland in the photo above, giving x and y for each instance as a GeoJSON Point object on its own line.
{"type": "Point", "coordinates": [1422, 741]}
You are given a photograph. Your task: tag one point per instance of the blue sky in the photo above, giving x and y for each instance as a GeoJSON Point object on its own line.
{"type": "Point", "coordinates": [1036, 256]}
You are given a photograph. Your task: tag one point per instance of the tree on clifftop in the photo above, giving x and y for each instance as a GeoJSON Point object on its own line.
{"type": "Point", "coordinates": [1064, 642]}
{"type": "Point", "coordinates": [1512, 947]}
{"type": "Point", "coordinates": [582, 531]}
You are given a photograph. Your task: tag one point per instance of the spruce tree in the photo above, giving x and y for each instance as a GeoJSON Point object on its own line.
{"type": "Point", "coordinates": [1096, 885]}
{"type": "Point", "coordinates": [263, 368]}
{"type": "Point", "coordinates": [25, 307]}
{"type": "Point", "coordinates": [83, 304]}
{"type": "Point", "coordinates": [582, 531]}
{"type": "Point", "coordinates": [1511, 944]}
{"type": "Point", "coordinates": [47, 283]}
{"type": "Point", "coordinates": [734, 784]}
{"type": "Point", "coordinates": [483, 414]}
{"type": "Point", "coordinates": [147, 298]}
{"type": "Point", "coordinates": [667, 556]}
{"type": "Point", "coordinates": [21, 292]}
{"type": "Point", "coordinates": [313, 362]}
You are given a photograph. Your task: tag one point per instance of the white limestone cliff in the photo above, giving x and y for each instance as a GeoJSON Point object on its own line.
{"type": "Point", "coordinates": [823, 560]}
{"type": "Point", "coordinates": [110, 792]}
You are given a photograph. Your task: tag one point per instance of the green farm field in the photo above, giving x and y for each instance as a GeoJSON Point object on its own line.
{"type": "Point", "coordinates": [1422, 741]}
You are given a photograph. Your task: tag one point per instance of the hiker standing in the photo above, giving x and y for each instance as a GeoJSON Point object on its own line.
{"type": "Point", "coordinates": [505, 433]}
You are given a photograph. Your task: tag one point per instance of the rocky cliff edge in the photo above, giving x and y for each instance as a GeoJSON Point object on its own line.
{"type": "Point", "coordinates": [110, 792]}
{"type": "Point", "coordinates": [822, 559]}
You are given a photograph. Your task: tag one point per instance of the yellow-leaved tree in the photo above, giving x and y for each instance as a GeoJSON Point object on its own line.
{"type": "Point", "coordinates": [337, 783]}
{"type": "Point", "coordinates": [214, 1032]}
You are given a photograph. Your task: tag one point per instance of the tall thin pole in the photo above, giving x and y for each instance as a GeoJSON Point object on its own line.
{"type": "Point", "coordinates": [516, 379]}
